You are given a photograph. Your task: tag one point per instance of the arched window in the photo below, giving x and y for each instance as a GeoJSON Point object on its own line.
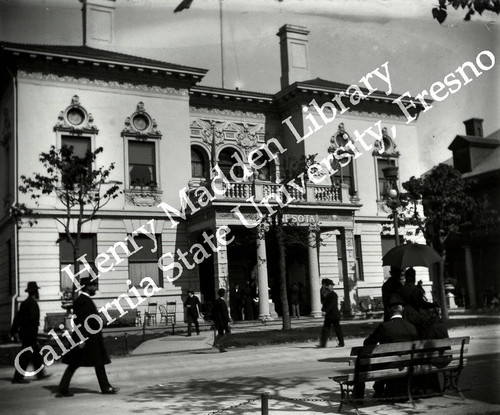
{"type": "Point", "coordinates": [344, 174]}
{"type": "Point", "coordinates": [226, 161]}
{"type": "Point", "coordinates": [386, 155]}
{"type": "Point", "coordinates": [198, 164]}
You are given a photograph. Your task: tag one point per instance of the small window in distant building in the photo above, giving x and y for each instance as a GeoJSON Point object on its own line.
{"type": "Point", "coordinates": [88, 247]}
{"type": "Point", "coordinates": [142, 163]}
{"type": "Point", "coordinates": [144, 263]}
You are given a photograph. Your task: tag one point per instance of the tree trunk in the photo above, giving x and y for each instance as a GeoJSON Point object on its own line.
{"type": "Point", "coordinates": [287, 324]}
{"type": "Point", "coordinates": [442, 292]}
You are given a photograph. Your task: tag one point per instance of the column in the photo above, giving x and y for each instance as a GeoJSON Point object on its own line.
{"type": "Point", "coordinates": [351, 270]}
{"type": "Point", "coordinates": [469, 272]}
{"type": "Point", "coordinates": [220, 263]}
{"type": "Point", "coordinates": [264, 313]}
{"type": "Point", "coordinates": [314, 276]}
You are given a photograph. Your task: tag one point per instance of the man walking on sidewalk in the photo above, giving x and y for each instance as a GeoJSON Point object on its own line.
{"type": "Point", "coordinates": [332, 316]}
{"type": "Point", "coordinates": [90, 353]}
{"type": "Point", "coordinates": [220, 315]}
{"type": "Point", "coordinates": [25, 325]}
{"type": "Point", "coordinates": [192, 305]}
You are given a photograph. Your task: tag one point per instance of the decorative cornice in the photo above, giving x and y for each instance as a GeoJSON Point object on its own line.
{"type": "Point", "coordinates": [229, 113]}
{"type": "Point", "coordinates": [103, 84]}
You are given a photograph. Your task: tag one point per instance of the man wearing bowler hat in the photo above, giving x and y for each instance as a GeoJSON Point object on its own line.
{"type": "Point", "coordinates": [91, 352]}
{"type": "Point", "coordinates": [25, 325]}
{"type": "Point", "coordinates": [332, 315]}
{"type": "Point", "coordinates": [395, 330]}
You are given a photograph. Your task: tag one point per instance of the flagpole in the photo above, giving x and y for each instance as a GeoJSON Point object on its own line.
{"type": "Point", "coordinates": [221, 44]}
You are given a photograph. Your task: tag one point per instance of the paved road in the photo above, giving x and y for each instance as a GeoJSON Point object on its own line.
{"type": "Point", "coordinates": [208, 381]}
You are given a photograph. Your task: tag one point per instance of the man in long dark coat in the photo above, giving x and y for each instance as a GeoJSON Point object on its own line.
{"type": "Point", "coordinates": [25, 325]}
{"type": "Point", "coordinates": [332, 316]}
{"type": "Point", "coordinates": [91, 352]}
{"type": "Point", "coordinates": [220, 316]}
{"type": "Point", "coordinates": [192, 305]}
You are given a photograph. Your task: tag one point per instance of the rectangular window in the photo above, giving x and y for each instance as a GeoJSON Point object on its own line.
{"type": "Point", "coordinates": [73, 172]}
{"type": "Point", "coordinates": [144, 263]}
{"type": "Point", "coordinates": [340, 256]}
{"type": "Point", "coordinates": [142, 163]}
{"type": "Point", "coordinates": [359, 258]}
{"type": "Point", "coordinates": [88, 245]}
{"type": "Point", "coordinates": [383, 184]}
{"type": "Point", "coordinates": [80, 145]}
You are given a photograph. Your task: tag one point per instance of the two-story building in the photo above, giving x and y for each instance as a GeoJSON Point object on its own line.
{"type": "Point", "coordinates": [165, 134]}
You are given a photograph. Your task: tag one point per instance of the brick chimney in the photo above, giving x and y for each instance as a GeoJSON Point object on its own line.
{"type": "Point", "coordinates": [294, 54]}
{"type": "Point", "coordinates": [98, 22]}
{"type": "Point", "coordinates": [474, 127]}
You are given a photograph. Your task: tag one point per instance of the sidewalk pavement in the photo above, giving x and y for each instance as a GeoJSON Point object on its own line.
{"type": "Point", "coordinates": [180, 343]}
{"type": "Point", "coordinates": [295, 374]}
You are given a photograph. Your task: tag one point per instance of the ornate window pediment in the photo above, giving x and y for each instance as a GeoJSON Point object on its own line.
{"type": "Point", "coordinates": [141, 125]}
{"type": "Point", "coordinates": [340, 139]}
{"type": "Point", "coordinates": [76, 119]}
{"type": "Point", "coordinates": [386, 146]}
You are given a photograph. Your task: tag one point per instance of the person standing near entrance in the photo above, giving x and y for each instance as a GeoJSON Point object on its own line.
{"type": "Point", "coordinates": [220, 316]}
{"type": "Point", "coordinates": [332, 315]}
{"type": "Point", "coordinates": [295, 300]}
{"type": "Point", "coordinates": [192, 305]}
{"type": "Point", "coordinates": [90, 353]}
{"type": "Point", "coordinates": [25, 325]}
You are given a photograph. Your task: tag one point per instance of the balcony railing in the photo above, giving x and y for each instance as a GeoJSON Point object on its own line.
{"type": "Point", "coordinates": [319, 194]}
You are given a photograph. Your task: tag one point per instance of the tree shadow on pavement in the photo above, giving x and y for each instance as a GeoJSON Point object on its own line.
{"type": "Point", "coordinates": [201, 396]}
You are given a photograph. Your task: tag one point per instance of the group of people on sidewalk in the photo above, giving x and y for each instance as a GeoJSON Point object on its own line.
{"type": "Point", "coordinates": [91, 352]}
{"type": "Point", "coordinates": [88, 353]}
{"type": "Point", "coordinates": [408, 316]}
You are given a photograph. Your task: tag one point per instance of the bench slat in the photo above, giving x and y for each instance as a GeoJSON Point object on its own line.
{"type": "Point", "coordinates": [406, 358]}
{"type": "Point", "coordinates": [390, 373]}
{"type": "Point", "coordinates": [407, 346]}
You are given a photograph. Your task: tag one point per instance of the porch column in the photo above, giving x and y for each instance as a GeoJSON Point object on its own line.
{"type": "Point", "coordinates": [262, 272]}
{"type": "Point", "coordinates": [220, 262]}
{"type": "Point", "coordinates": [314, 276]}
{"type": "Point", "coordinates": [469, 272]}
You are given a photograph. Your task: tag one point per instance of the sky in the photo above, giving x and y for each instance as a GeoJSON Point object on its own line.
{"type": "Point", "coordinates": [348, 39]}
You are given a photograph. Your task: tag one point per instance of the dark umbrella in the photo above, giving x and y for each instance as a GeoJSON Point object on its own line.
{"type": "Point", "coordinates": [411, 255]}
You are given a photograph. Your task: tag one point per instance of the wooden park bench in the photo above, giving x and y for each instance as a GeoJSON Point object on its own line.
{"type": "Point", "coordinates": [404, 360]}
{"type": "Point", "coordinates": [371, 306]}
